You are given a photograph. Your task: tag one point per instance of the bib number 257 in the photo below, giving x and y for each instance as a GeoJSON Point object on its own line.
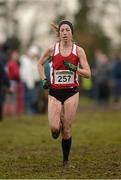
{"type": "Point", "coordinates": [65, 78]}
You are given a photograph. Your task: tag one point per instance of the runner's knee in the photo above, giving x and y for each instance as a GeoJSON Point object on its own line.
{"type": "Point", "coordinates": [55, 132]}
{"type": "Point", "coordinates": [66, 132]}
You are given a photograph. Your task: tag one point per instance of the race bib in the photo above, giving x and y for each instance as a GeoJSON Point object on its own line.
{"type": "Point", "coordinates": [63, 77]}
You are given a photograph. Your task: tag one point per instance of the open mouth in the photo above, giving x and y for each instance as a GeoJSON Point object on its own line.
{"type": "Point", "coordinates": [65, 37]}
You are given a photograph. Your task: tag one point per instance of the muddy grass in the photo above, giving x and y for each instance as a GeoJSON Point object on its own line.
{"type": "Point", "coordinates": [27, 150]}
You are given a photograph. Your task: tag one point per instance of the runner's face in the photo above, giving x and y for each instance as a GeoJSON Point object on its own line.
{"type": "Point", "coordinates": [65, 33]}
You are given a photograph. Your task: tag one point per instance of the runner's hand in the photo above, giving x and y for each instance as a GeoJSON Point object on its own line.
{"type": "Point", "coordinates": [46, 83]}
{"type": "Point", "coordinates": [70, 66]}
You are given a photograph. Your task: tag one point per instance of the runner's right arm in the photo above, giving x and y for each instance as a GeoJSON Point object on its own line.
{"type": "Point", "coordinates": [42, 60]}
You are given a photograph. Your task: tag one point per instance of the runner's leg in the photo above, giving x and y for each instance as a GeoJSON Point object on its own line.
{"type": "Point", "coordinates": [70, 107]}
{"type": "Point", "coordinates": [54, 111]}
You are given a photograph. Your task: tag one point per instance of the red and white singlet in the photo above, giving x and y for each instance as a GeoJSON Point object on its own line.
{"type": "Point", "coordinates": [60, 76]}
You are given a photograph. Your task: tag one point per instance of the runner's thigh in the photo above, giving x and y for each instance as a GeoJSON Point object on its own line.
{"type": "Point", "coordinates": [70, 107]}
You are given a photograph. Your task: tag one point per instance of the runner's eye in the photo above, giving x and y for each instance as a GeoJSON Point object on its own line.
{"type": "Point", "coordinates": [67, 29]}
{"type": "Point", "coordinates": [62, 30]}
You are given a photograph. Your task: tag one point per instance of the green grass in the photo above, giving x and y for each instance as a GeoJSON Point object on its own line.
{"type": "Point", "coordinates": [28, 151]}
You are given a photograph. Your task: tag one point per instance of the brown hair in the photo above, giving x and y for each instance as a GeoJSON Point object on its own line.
{"type": "Point", "coordinates": [66, 22]}
{"type": "Point", "coordinates": [56, 28]}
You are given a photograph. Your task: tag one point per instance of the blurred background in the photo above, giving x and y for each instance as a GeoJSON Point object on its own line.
{"type": "Point", "coordinates": [25, 32]}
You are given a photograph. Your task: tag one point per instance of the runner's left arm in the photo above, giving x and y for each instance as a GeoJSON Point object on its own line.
{"type": "Point", "coordinates": [84, 70]}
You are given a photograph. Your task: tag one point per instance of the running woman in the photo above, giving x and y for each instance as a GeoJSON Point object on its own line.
{"type": "Point", "coordinates": [67, 62]}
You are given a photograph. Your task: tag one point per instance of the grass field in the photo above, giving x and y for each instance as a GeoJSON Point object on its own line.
{"type": "Point", "coordinates": [28, 151]}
